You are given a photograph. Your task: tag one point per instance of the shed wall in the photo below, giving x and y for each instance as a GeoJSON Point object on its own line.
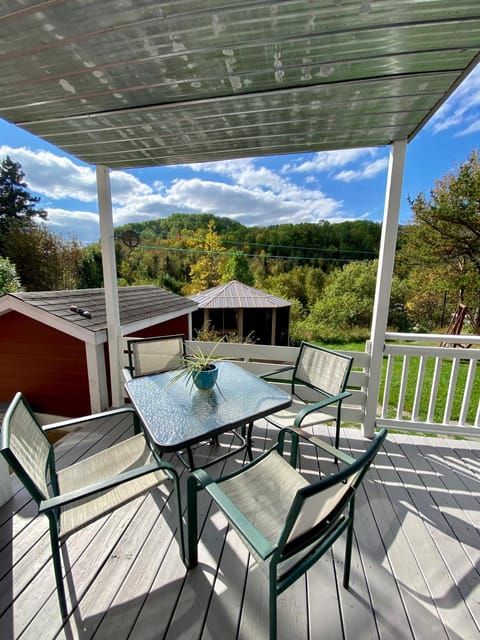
{"type": "Point", "coordinates": [176, 325]}
{"type": "Point", "coordinates": [46, 365]}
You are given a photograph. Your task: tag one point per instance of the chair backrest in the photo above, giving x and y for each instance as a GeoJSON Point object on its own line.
{"type": "Point", "coordinates": [321, 369]}
{"type": "Point", "coordinates": [319, 505]}
{"type": "Point", "coordinates": [27, 449]}
{"type": "Point", "coordinates": [154, 355]}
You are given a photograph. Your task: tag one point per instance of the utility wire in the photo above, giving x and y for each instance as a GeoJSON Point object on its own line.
{"type": "Point", "coordinates": [248, 255]}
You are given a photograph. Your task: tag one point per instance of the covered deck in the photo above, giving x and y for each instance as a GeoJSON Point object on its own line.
{"type": "Point", "coordinates": [415, 564]}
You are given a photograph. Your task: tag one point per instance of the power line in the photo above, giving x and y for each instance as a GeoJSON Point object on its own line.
{"type": "Point", "coordinates": [247, 255]}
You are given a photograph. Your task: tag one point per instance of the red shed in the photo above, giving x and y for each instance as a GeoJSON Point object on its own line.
{"type": "Point", "coordinates": [53, 344]}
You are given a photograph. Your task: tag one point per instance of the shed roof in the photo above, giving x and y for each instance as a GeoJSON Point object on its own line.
{"type": "Point", "coordinates": [236, 295]}
{"type": "Point", "coordinates": [140, 307]}
{"type": "Point", "coordinates": [142, 82]}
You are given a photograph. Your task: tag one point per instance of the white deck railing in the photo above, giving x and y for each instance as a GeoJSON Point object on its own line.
{"type": "Point", "coordinates": [413, 395]}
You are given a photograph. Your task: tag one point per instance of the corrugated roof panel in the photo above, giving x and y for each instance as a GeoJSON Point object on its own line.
{"type": "Point", "coordinates": [144, 83]}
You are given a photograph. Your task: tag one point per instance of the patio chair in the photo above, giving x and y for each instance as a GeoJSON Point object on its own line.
{"type": "Point", "coordinates": [318, 381]}
{"type": "Point", "coordinates": [154, 355]}
{"type": "Point", "coordinates": [286, 522]}
{"type": "Point", "coordinates": [83, 492]}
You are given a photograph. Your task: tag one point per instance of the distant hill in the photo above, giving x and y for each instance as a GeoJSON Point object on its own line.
{"type": "Point", "coordinates": [324, 241]}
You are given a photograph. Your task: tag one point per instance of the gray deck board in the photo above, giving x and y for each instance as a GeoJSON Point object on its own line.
{"type": "Point", "coordinates": [415, 563]}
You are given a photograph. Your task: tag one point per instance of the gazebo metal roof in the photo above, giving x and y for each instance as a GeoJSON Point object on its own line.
{"type": "Point", "coordinates": [141, 82]}
{"type": "Point", "coordinates": [236, 295]}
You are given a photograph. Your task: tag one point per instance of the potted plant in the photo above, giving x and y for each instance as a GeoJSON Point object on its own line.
{"type": "Point", "coordinates": [199, 367]}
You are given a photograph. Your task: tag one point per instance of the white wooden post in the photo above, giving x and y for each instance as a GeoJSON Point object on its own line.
{"type": "Point", "coordinates": [384, 280]}
{"type": "Point", "coordinates": [97, 377]}
{"type": "Point", "coordinates": [110, 282]}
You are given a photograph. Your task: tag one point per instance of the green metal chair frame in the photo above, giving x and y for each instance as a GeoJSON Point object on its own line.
{"type": "Point", "coordinates": [326, 373]}
{"type": "Point", "coordinates": [286, 522]}
{"type": "Point", "coordinates": [81, 493]}
{"type": "Point", "coordinates": [154, 355]}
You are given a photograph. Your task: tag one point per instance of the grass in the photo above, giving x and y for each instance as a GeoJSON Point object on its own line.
{"type": "Point", "coordinates": [442, 392]}
{"type": "Point", "coordinates": [443, 386]}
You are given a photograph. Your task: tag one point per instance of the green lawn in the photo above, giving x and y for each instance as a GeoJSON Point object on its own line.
{"type": "Point", "coordinates": [443, 384]}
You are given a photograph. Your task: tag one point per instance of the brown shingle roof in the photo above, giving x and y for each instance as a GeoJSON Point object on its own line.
{"type": "Point", "coordinates": [236, 295]}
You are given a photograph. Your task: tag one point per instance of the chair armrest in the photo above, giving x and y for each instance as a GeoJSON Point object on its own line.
{"type": "Point", "coordinates": [84, 492]}
{"type": "Point", "coordinates": [74, 422]}
{"type": "Point", "coordinates": [290, 367]}
{"type": "Point", "coordinates": [335, 453]}
{"type": "Point", "coordinates": [126, 374]}
{"type": "Point", "coordinates": [245, 528]}
{"type": "Point", "coordinates": [315, 406]}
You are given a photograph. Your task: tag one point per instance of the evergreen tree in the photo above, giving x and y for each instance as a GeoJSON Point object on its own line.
{"type": "Point", "coordinates": [17, 204]}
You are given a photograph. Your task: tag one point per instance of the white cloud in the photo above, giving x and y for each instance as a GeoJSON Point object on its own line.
{"type": "Point", "coordinates": [246, 190]}
{"type": "Point", "coordinates": [367, 171]}
{"type": "Point", "coordinates": [83, 225]}
{"type": "Point", "coordinates": [244, 172]}
{"type": "Point", "coordinates": [328, 160]}
{"type": "Point", "coordinates": [57, 177]}
{"type": "Point", "coordinates": [462, 109]}
{"type": "Point", "coordinates": [248, 205]}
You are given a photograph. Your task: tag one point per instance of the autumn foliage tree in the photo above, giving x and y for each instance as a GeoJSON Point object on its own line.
{"type": "Point", "coordinates": [207, 270]}
{"type": "Point", "coordinates": [444, 236]}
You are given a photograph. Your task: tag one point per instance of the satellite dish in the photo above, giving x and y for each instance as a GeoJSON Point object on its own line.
{"type": "Point", "coordinates": [130, 238]}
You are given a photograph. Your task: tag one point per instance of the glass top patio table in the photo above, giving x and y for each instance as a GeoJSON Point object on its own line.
{"type": "Point", "coordinates": [176, 414]}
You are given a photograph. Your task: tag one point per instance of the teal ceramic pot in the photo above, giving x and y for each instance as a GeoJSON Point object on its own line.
{"type": "Point", "coordinates": [206, 379]}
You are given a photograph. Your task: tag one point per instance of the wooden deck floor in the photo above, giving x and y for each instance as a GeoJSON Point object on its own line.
{"type": "Point", "coordinates": [415, 565]}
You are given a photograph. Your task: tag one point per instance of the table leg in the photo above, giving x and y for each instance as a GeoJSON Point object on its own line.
{"type": "Point", "coordinates": [248, 440]}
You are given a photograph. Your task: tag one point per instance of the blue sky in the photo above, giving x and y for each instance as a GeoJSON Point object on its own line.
{"type": "Point", "coordinates": [333, 186]}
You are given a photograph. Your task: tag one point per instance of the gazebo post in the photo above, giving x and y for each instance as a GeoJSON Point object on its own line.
{"type": "Point", "coordinates": [386, 262]}
{"type": "Point", "coordinates": [110, 282]}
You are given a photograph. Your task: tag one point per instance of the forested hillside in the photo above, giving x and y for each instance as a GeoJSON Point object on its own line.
{"type": "Point", "coordinates": [327, 271]}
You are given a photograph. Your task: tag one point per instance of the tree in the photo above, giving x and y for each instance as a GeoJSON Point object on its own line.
{"type": "Point", "coordinates": [207, 270]}
{"type": "Point", "coordinates": [9, 280]}
{"type": "Point", "coordinates": [446, 231]}
{"type": "Point", "coordinates": [238, 268]}
{"type": "Point", "coordinates": [45, 261]}
{"type": "Point", "coordinates": [16, 202]}
{"type": "Point", "coordinates": [346, 302]}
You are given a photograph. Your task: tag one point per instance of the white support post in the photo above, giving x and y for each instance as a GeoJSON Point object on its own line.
{"type": "Point", "coordinates": [97, 377]}
{"type": "Point", "coordinates": [110, 282]}
{"type": "Point", "coordinates": [386, 262]}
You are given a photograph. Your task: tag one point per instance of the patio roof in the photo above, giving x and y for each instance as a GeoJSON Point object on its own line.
{"type": "Point", "coordinates": [147, 83]}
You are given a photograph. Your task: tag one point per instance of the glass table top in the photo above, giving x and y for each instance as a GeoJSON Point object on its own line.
{"type": "Point", "coordinates": [176, 413]}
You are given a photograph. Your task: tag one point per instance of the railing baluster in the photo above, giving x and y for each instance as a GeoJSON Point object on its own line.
{"type": "Point", "coordinates": [388, 381]}
{"type": "Point", "coordinates": [403, 387]}
{"type": "Point", "coordinates": [434, 391]}
{"type": "Point", "coordinates": [467, 393]}
{"type": "Point", "coordinates": [419, 388]}
{"type": "Point", "coordinates": [451, 390]}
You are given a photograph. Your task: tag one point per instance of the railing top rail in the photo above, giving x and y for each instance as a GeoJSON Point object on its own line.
{"type": "Point", "coordinates": [434, 337]}
{"type": "Point", "coordinates": [441, 352]}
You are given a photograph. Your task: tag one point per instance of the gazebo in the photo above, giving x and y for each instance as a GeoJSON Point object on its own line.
{"type": "Point", "coordinates": [237, 308]}
{"type": "Point", "coordinates": [145, 84]}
